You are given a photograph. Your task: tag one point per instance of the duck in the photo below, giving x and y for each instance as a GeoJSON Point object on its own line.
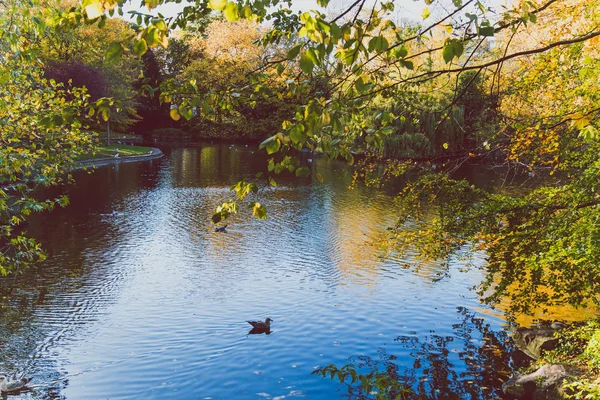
{"type": "Point", "coordinates": [221, 228]}
{"type": "Point", "coordinates": [8, 386]}
{"type": "Point", "coordinates": [262, 325]}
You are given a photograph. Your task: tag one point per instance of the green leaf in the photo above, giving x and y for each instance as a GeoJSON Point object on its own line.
{"type": "Point", "coordinates": [306, 64]}
{"type": "Point", "coordinates": [258, 210]}
{"type": "Point", "coordinates": [140, 47]}
{"type": "Point", "coordinates": [426, 13]}
{"type": "Point", "coordinates": [231, 12]}
{"type": "Point", "coordinates": [532, 18]}
{"type": "Point", "coordinates": [160, 24]}
{"type": "Point", "coordinates": [360, 84]}
{"type": "Point", "coordinates": [452, 48]}
{"type": "Point", "coordinates": [186, 112]}
{"type": "Point", "coordinates": [471, 17]}
{"type": "Point", "coordinates": [312, 54]}
{"type": "Point", "coordinates": [297, 135]}
{"type": "Point", "coordinates": [336, 31]}
{"type": "Point", "coordinates": [400, 52]}
{"type": "Point", "coordinates": [303, 171]}
{"type": "Point", "coordinates": [293, 52]}
{"type": "Point", "coordinates": [115, 50]}
{"type": "Point", "coordinates": [448, 53]}
{"type": "Point", "coordinates": [458, 48]}
{"type": "Point", "coordinates": [271, 145]}
{"type": "Point", "coordinates": [407, 64]}
{"type": "Point", "coordinates": [105, 113]}
{"type": "Point", "coordinates": [589, 133]}
{"type": "Point", "coordinates": [217, 4]}
{"type": "Point", "coordinates": [379, 44]}
{"type": "Point", "coordinates": [445, 146]}
{"type": "Point", "coordinates": [486, 31]}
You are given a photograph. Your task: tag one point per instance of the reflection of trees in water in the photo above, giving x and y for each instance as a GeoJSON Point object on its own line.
{"type": "Point", "coordinates": [46, 305]}
{"type": "Point", "coordinates": [470, 364]}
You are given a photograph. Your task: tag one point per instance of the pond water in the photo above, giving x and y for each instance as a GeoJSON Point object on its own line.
{"type": "Point", "coordinates": [141, 299]}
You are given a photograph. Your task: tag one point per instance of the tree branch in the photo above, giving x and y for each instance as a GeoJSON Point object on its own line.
{"type": "Point", "coordinates": [484, 65]}
{"type": "Point", "coordinates": [348, 10]}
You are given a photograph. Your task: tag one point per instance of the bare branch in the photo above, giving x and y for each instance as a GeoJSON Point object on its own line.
{"type": "Point", "coordinates": [361, 2]}
{"type": "Point", "coordinates": [486, 65]}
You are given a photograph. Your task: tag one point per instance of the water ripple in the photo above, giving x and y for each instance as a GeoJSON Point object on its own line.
{"type": "Point", "coordinates": [140, 298]}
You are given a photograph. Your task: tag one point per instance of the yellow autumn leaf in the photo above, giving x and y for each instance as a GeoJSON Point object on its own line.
{"type": "Point", "coordinates": [94, 10]}
{"type": "Point", "coordinates": [579, 121]}
{"type": "Point", "coordinates": [164, 41]}
{"type": "Point", "coordinates": [174, 113]}
{"type": "Point", "coordinates": [582, 123]}
{"type": "Point", "coordinates": [217, 4]}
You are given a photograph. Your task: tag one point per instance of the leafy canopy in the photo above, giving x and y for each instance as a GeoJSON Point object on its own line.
{"type": "Point", "coordinates": [355, 74]}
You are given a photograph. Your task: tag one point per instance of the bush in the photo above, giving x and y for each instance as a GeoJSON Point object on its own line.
{"type": "Point", "coordinates": [580, 347]}
{"type": "Point", "coordinates": [592, 352]}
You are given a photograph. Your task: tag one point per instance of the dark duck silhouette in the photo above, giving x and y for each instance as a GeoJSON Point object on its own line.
{"type": "Point", "coordinates": [221, 228]}
{"type": "Point", "coordinates": [259, 327]}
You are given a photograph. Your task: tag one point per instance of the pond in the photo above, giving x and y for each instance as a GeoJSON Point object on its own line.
{"type": "Point", "coordinates": [141, 299]}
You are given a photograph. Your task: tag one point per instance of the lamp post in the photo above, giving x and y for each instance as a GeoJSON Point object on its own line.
{"type": "Point", "coordinates": [108, 132]}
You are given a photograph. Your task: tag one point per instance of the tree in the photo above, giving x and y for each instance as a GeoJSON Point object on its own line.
{"type": "Point", "coordinates": [542, 245]}
{"type": "Point", "coordinates": [75, 55]}
{"type": "Point", "coordinates": [40, 134]}
{"type": "Point", "coordinates": [369, 62]}
{"type": "Point", "coordinates": [153, 114]}
{"type": "Point", "coordinates": [76, 74]}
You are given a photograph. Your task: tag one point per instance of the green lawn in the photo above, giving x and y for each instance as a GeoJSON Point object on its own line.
{"type": "Point", "coordinates": [118, 136]}
{"type": "Point", "coordinates": [124, 150]}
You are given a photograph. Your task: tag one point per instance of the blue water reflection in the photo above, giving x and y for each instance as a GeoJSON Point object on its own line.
{"type": "Point", "coordinates": [141, 299]}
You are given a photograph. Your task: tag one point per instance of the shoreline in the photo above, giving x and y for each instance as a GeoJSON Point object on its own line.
{"type": "Point", "coordinates": [100, 162]}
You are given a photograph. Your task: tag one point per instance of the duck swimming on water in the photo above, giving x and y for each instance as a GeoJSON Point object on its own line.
{"type": "Point", "coordinates": [15, 385]}
{"type": "Point", "coordinates": [221, 228]}
{"type": "Point", "coordinates": [261, 325]}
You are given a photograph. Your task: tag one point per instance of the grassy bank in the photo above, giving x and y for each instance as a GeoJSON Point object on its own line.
{"type": "Point", "coordinates": [123, 149]}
